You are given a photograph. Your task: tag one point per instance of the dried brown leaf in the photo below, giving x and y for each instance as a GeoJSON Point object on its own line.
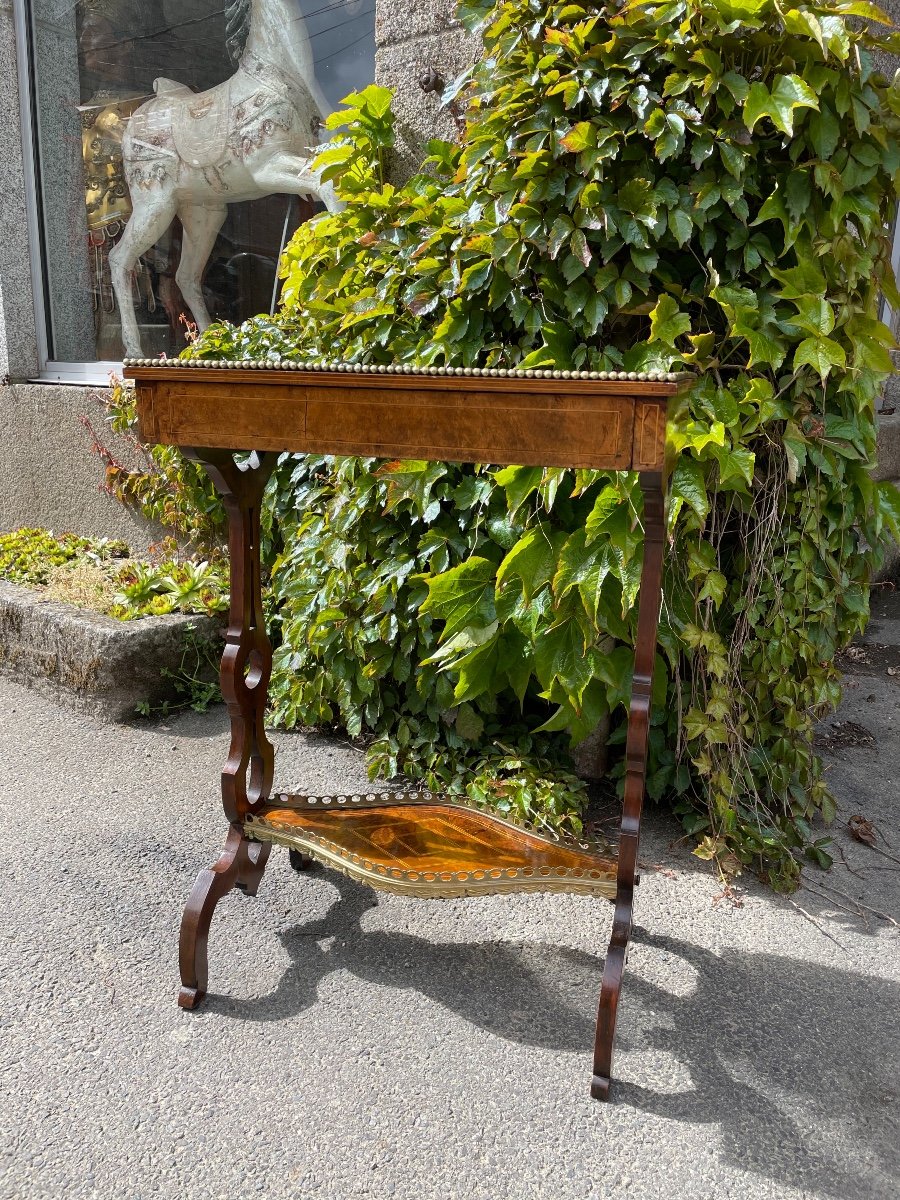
{"type": "Point", "coordinates": [862, 830]}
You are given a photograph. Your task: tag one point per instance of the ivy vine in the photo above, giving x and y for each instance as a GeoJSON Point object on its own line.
{"type": "Point", "coordinates": [656, 186]}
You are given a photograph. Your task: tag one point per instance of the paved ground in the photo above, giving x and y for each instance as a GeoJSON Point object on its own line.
{"type": "Point", "coordinates": [435, 1050]}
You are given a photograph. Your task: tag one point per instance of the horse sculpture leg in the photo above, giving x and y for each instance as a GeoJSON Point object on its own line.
{"type": "Point", "coordinates": [153, 213]}
{"type": "Point", "coordinates": [201, 228]}
{"type": "Point", "coordinates": [292, 175]}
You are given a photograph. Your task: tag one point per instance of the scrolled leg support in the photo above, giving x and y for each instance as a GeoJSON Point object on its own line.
{"type": "Point", "coordinates": [246, 667]}
{"type": "Point", "coordinates": [240, 865]}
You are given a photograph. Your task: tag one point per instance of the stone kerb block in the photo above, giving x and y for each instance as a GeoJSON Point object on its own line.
{"type": "Point", "coordinates": [89, 662]}
{"type": "Point", "coordinates": [888, 451]}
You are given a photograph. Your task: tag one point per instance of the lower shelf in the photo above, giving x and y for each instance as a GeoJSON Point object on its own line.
{"type": "Point", "coordinates": [418, 844]}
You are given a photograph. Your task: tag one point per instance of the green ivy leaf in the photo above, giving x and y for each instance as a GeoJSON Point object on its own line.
{"type": "Point", "coordinates": [820, 353]}
{"type": "Point", "coordinates": [814, 314]}
{"type": "Point", "coordinates": [862, 8]}
{"type": "Point", "coordinates": [765, 348]}
{"type": "Point", "coordinates": [681, 225]}
{"type": "Point", "coordinates": [806, 279]}
{"type": "Point", "coordinates": [469, 724]}
{"type": "Point", "coordinates": [606, 504]}
{"type": "Point", "coordinates": [532, 560]}
{"type": "Point", "coordinates": [518, 484]}
{"type": "Point", "coordinates": [689, 484]}
{"type": "Point", "coordinates": [788, 94]}
{"type": "Point", "coordinates": [736, 84]}
{"type": "Point", "coordinates": [582, 136]}
{"type": "Point", "coordinates": [667, 321]}
{"type": "Point", "coordinates": [585, 567]}
{"type": "Point", "coordinates": [795, 450]}
{"type": "Point", "coordinates": [560, 653]}
{"type": "Point", "coordinates": [714, 587]}
{"type": "Point", "coordinates": [735, 466]}
{"type": "Point", "coordinates": [463, 596]}
{"type": "Point", "coordinates": [888, 501]}
{"type": "Point", "coordinates": [477, 671]}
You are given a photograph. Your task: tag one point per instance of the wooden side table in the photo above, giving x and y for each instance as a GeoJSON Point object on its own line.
{"type": "Point", "coordinates": [414, 844]}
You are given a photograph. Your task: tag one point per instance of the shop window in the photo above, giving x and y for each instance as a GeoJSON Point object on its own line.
{"type": "Point", "coordinates": [188, 119]}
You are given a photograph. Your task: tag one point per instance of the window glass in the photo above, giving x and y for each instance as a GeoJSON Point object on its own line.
{"type": "Point", "coordinates": [170, 138]}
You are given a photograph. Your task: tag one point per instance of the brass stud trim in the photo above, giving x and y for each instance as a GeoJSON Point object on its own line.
{"type": "Point", "coordinates": [256, 364]}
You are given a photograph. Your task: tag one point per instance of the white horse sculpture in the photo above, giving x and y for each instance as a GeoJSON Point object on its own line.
{"type": "Point", "coordinates": [190, 154]}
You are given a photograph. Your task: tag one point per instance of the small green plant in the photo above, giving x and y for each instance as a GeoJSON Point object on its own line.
{"type": "Point", "coordinates": [39, 558]}
{"type": "Point", "coordinates": [195, 682]}
{"type": "Point", "coordinates": [100, 574]}
{"type": "Point", "coordinates": [170, 586]}
{"type": "Point", "coordinates": [28, 556]}
{"type": "Point", "coordinates": [167, 487]}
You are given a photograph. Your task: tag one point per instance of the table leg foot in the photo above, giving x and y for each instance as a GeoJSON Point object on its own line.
{"type": "Point", "coordinates": [189, 997]}
{"type": "Point", "coordinates": [241, 864]}
{"type": "Point", "coordinates": [607, 1010]}
{"type": "Point", "coordinates": [300, 861]}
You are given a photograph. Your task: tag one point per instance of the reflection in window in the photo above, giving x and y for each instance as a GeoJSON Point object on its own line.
{"type": "Point", "coordinates": [95, 64]}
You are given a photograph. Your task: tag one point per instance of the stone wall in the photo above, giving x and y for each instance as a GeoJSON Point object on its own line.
{"type": "Point", "coordinates": [410, 40]}
{"type": "Point", "coordinates": [50, 477]}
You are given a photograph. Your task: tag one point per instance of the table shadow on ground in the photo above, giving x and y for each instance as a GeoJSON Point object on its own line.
{"type": "Point", "coordinates": [782, 1054]}
{"type": "Point", "coordinates": [779, 1051]}
{"type": "Point", "coordinates": [529, 992]}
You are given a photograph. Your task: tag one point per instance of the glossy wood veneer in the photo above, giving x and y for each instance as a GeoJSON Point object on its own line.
{"type": "Point", "coordinates": [504, 421]}
{"type": "Point", "coordinates": [579, 422]}
{"type": "Point", "coordinates": [424, 848]}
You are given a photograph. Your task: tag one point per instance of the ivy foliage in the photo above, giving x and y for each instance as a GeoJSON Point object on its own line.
{"type": "Point", "coordinates": [171, 489]}
{"type": "Point", "coordinates": [683, 184]}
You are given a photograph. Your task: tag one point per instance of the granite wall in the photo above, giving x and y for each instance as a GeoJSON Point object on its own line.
{"type": "Point", "coordinates": [411, 40]}
{"type": "Point", "coordinates": [50, 476]}
{"type": "Point", "coordinates": [18, 342]}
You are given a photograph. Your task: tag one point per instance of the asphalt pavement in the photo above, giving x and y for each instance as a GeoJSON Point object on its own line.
{"type": "Point", "coordinates": [355, 1045]}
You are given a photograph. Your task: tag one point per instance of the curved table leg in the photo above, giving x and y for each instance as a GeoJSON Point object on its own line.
{"type": "Point", "coordinates": [607, 1010]}
{"type": "Point", "coordinates": [635, 775]}
{"type": "Point", "coordinates": [246, 667]}
{"type": "Point", "coordinates": [240, 865]}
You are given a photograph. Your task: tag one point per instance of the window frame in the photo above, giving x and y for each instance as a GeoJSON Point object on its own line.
{"type": "Point", "coordinates": [49, 370]}
{"type": "Point", "coordinates": [33, 224]}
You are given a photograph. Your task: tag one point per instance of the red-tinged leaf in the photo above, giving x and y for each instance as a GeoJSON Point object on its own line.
{"type": "Point", "coordinates": [582, 136]}
{"type": "Point", "coordinates": [580, 248]}
{"type": "Point", "coordinates": [557, 37]}
{"type": "Point", "coordinates": [423, 304]}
